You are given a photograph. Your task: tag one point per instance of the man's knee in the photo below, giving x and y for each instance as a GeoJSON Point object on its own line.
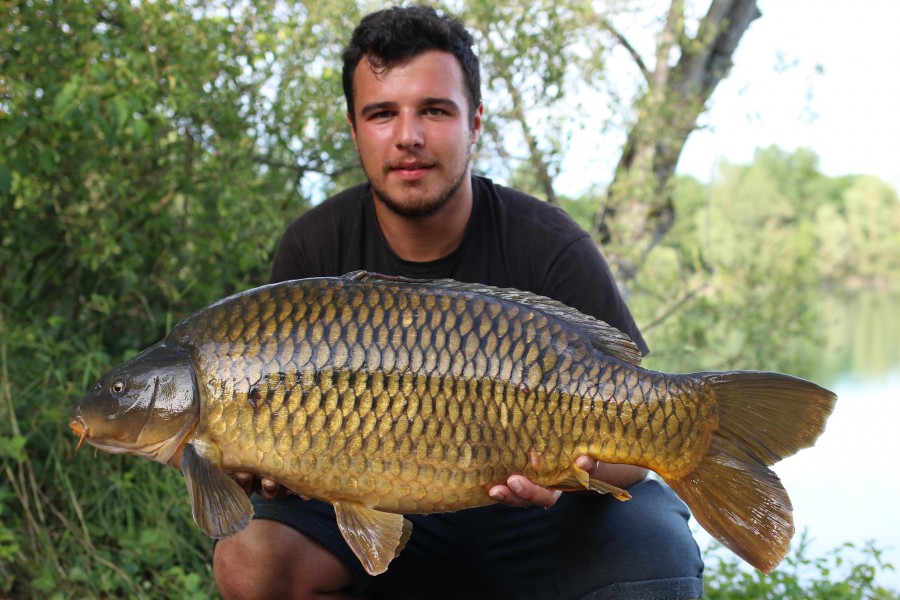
{"type": "Point", "coordinates": [658, 542]}
{"type": "Point", "coordinates": [271, 560]}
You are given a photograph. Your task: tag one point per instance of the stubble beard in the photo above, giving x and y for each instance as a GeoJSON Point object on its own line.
{"type": "Point", "coordinates": [424, 206]}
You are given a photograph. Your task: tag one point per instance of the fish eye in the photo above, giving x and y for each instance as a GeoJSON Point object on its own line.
{"type": "Point", "coordinates": [118, 387]}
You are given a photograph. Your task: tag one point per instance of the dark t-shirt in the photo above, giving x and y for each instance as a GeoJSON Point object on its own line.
{"type": "Point", "coordinates": [512, 240]}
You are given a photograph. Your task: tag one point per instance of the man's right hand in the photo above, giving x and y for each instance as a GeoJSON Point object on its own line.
{"type": "Point", "coordinates": [269, 489]}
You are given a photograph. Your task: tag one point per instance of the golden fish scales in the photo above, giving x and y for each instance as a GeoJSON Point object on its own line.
{"type": "Point", "coordinates": [417, 403]}
{"type": "Point", "coordinates": [386, 396]}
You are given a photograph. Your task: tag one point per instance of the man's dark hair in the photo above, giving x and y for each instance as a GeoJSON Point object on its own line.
{"type": "Point", "coordinates": [391, 36]}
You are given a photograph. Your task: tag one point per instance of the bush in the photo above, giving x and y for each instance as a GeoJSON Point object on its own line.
{"type": "Point", "coordinates": [844, 573]}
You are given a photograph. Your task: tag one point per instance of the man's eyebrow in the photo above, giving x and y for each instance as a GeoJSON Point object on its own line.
{"type": "Point", "coordinates": [375, 107]}
{"type": "Point", "coordinates": [440, 102]}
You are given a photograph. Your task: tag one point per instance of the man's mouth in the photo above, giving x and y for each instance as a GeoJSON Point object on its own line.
{"type": "Point", "coordinates": [411, 171]}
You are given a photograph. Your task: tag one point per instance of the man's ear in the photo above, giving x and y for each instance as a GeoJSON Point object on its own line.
{"type": "Point", "coordinates": [477, 122]}
{"type": "Point", "coordinates": [352, 128]}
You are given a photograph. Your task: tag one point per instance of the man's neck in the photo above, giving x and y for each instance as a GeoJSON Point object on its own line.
{"type": "Point", "coordinates": [423, 239]}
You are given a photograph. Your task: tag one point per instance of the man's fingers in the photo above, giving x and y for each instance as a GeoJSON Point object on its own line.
{"type": "Point", "coordinates": [532, 493]}
{"type": "Point", "coordinates": [504, 495]}
{"type": "Point", "coordinates": [586, 463]}
{"type": "Point", "coordinates": [265, 487]}
{"type": "Point", "coordinates": [245, 480]}
{"type": "Point", "coordinates": [268, 488]}
{"type": "Point", "coordinates": [519, 491]}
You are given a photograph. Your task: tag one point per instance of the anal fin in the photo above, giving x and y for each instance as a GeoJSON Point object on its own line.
{"type": "Point", "coordinates": [575, 480]}
{"type": "Point", "coordinates": [219, 505]}
{"type": "Point", "coordinates": [376, 537]}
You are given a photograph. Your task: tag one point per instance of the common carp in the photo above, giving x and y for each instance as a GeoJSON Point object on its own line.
{"type": "Point", "coordinates": [386, 396]}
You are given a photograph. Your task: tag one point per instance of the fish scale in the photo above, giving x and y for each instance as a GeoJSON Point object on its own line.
{"type": "Point", "coordinates": [385, 396]}
{"type": "Point", "coordinates": [399, 332]}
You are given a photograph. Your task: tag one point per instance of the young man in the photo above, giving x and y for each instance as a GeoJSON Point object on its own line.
{"type": "Point", "coordinates": [413, 95]}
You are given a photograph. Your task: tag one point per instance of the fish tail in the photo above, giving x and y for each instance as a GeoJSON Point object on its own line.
{"type": "Point", "coordinates": [763, 418]}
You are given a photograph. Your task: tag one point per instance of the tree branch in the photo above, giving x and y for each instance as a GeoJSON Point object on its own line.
{"type": "Point", "coordinates": [705, 64]}
{"type": "Point", "coordinates": [639, 210]}
{"type": "Point", "coordinates": [623, 41]}
{"type": "Point", "coordinates": [535, 156]}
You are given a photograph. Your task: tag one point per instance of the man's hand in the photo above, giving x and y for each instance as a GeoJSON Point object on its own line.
{"type": "Point", "coordinates": [520, 491]}
{"type": "Point", "coordinates": [265, 487]}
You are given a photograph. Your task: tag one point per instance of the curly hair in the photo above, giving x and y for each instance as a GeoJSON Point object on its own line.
{"type": "Point", "coordinates": [391, 36]}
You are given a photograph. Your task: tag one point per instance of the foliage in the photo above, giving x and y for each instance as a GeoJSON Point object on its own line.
{"type": "Point", "coordinates": [151, 153]}
{"type": "Point", "coordinates": [112, 528]}
{"type": "Point", "coordinates": [859, 235]}
{"type": "Point", "coordinates": [533, 54]}
{"type": "Point", "coordinates": [843, 573]}
{"type": "Point", "coordinates": [735, 284]}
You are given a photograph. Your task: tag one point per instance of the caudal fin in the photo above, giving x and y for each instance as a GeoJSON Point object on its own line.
{"type": "Point", "coordinates": [763, 418]}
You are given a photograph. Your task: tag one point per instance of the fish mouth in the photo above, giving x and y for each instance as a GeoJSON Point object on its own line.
{"type": "Point", "coordinates": [80, 429]}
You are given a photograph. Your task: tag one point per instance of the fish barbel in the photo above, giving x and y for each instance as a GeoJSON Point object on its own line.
{"type": "Point", "coordinates": [386, 396]}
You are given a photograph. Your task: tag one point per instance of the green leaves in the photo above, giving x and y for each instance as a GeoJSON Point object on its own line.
{"type": "Point", "coordinates": [13, 447]}
{"type": "Point", "coordinates": [738, 282]}
{"type": "Point", "coordinates": [66, 101]}
{"type": "Point", "coordinates": [843, 573]}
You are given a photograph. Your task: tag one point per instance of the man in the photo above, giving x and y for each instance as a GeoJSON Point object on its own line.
{"type": "Point", "coordinates": [413, 96]}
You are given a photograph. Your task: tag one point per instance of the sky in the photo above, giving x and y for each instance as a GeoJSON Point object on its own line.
{"type": "Point", "coordinates": [819, 74]}
{"type": "Point", "coordinates": [849, 113]}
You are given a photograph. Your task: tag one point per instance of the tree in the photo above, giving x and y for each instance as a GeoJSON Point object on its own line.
{"type": "Point", "coordinates": [638, 210]}
{"type": "Point", "coordinates": [754, 248]}
{"type": "Point", "coordinates": [536, 58]}
{"type": "Point", "coordinates": [149, 155]}
{"type": "Point", "coordinates": [532, 57]}
{"type": "Point", "coordinates": [860, 235]}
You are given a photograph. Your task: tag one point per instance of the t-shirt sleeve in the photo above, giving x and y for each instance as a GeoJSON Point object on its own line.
{"type": "Point", "coordinates": [288, 260]}
{"type": "Point", "coordinates": [594, 291]}
{"type": "Point", "coordinates": [317, 243]}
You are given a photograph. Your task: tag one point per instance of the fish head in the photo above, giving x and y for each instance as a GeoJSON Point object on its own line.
{"type": "Point", "coordinates": [146, 406]}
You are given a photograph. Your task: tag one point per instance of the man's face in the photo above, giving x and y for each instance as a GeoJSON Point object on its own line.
{"type": "Point", "coordinates": [414, 133]}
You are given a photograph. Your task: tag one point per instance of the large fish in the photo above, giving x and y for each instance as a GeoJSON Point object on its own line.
{"type": "Point", "coordinates": [386, 396]}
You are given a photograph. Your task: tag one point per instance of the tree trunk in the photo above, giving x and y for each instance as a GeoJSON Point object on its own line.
{"type": "Point", "coordinates": [638, 210]}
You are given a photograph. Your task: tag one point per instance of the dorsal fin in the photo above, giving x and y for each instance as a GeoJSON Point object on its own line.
{"type": "Point", "coordinates": [603, 336]}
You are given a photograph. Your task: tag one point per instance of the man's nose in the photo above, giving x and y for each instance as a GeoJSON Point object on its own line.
{"type": "Point", "coordinates": [409, 132]}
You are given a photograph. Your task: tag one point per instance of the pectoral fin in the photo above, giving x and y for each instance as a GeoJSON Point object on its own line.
{"type": "Point", "coordinates": [576, 479]}
{"type": "Point", "coordinates": [375, 537]}
{"type": "Point", "coordinates": [220, 507]}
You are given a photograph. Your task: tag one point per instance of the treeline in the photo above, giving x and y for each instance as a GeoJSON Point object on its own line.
{"type": "Point", "coordinates": [738, 281]}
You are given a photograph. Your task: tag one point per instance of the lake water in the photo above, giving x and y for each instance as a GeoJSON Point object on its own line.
{"type": "Point", "coordinates": [846, 488]}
